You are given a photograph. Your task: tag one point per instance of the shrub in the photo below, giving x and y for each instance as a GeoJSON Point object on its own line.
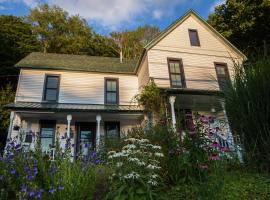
{"type": "Point", "coordinates": [136, 170]}
{"type": "Point", "coordinates": [250, 119]}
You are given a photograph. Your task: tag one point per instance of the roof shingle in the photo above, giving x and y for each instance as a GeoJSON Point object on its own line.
{"type": "Point", "coordinates": [38, 60]}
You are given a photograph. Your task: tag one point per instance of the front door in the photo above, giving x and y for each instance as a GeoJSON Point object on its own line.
{"type": "Point", "coordinates": [86, 137]}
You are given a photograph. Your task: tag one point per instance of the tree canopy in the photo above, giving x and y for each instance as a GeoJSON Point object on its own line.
{"type": "Point", "coordinates": [246, 23]}
{"type": "Point", "coordinates": [16, 41]}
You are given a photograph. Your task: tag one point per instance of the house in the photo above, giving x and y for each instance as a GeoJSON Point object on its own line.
{"type": "Point", "coordinates": [86, 97]}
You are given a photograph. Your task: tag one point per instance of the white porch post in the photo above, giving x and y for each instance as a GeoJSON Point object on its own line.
{"type": "Point", "coordinates": [98, 118]}
{"type": "Point", "coordinates": [172, 101]}
{"type": "Point", "coordinates": [69, 118]}
{"type": "Point", "coordinates": [230, 136]}
{"type": "Point", "coordinates": [12, 115]}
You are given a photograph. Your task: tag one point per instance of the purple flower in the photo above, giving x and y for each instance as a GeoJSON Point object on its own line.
{"type": "Point", "coordinates": [52, 190]}
{"type": "Point", "coordinates": [17, 147]}
{"type": "Point", "coordinates": [215, 145]}
{"type": "Point", "coordinates": [93, 154]}
{"type": "Point", "coordinates": [24, 188]}
{"type": "Point", "coordinates": [31, 193]}
{"type": "Point", "coordinates": [61, 187]}
{"type": "Point", "coordinates": [97, 161]}
{"type": "Point", "coordinates": [29, 177]}
{"type": "Point", "coordinates": [73, 145]}
{"type": "Point", "coordinates": [1, 177]}
{"type": "Point", "coordinates": [87, 145]}
{"type": "Point", "coordinates": [13, 171]}
{"type": "Point", "coordinates": [214, 156]}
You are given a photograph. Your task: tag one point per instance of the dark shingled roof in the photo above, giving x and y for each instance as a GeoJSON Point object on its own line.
{"type": "Point", "coordinates": [37, 60]}
{"type": "Point", "coordinates": [73, 107]}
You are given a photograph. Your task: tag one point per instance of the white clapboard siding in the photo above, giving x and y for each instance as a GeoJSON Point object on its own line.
{"type": "Point", "coordinates": [198, 62]}
{"type": "Point", "coordinates": [75, 87]}
{"type": "Point", "coordinates": [143, 73]}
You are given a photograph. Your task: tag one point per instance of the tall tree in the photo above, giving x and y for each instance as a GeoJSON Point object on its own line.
{"type": "Point", "coordinates": [129, 43]}
{"type": "Point", "coordinates": [58, 32]}
{"type": "Point", "coordinates": [16, 41]}
{"type": "Point", "coordinates": [246, 23]}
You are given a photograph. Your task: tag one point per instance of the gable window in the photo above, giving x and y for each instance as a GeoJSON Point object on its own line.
{"type": "Point", "coordinates": [47, 133]}
{"type": "Point", "coordinates": [194, 37]}
{"type": "Point", "coordinates": [111, 91]}
{"type": "Point", "coordinates": [112, 130]}
{"type": "Point", "coordinates": [223, 76]}
{"type": "Point", "coordinates": [51, 88]}
{"type": "Point", "coordinates": [176, 71]}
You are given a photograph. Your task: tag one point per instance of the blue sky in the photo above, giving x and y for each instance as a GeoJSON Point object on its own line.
{"type": "Point", "coordinates": [115, 15]}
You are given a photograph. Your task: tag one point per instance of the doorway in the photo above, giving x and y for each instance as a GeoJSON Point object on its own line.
{"type": "Point", "coordinates": [86, 136]}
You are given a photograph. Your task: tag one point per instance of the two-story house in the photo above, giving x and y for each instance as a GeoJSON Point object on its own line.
{"type": "Point", "coordinates": [84, 97]}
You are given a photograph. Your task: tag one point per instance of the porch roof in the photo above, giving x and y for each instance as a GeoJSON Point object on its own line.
{"type": "Point", "coordinates": [63, 107]}
{"type": "Point", "coordinates": [193, 91]}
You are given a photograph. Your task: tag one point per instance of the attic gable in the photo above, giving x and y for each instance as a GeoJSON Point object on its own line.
{"type": "Point", "coordinates": [176, 36]}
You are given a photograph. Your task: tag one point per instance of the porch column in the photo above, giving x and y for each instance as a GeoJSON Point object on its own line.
{"type": "Point", "coordinates": [98, 118]}
{"type": "Point", "coordinates": [12, 115]}
{"type": "Point", "coordinates": [230, 136]}
{"type": "Point", "coordinates": [69, 118]}
{"type": "Point", "coordinates": [172, 100]}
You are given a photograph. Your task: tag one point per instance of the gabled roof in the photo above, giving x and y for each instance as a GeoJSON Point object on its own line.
{"type": "Point", "coordinates": [179, 21]}
{"type": "Point", "coordinates": [37, 60]}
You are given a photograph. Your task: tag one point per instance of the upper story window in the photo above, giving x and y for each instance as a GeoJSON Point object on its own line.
{"type": "Point", "coordinates": [223, 76]}
{"type": "Point", "coordinates": [51, 88]}
{"type": "Point", "coordinates": [194, 37]}
{"type": "Point", "coordinates": [111, 91]}
{"type": "Point", "coordinates": [176, 71]}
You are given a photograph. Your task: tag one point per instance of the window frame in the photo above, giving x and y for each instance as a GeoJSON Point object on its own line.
{"type": "Point", "coordinates": [182, 73]}
{"type": "Point", "coordinates": [227, 75]}
{"type": "Point", "coordinates": [105, 90]}
{"type": "Point", "coordinates": [45, 87]}
{"type": "Point", "coordinates": [106, 123]}
{"type": "Point", "coordinates": [197, 35]}
{"type": "Point", "coordinates": [46, 122]}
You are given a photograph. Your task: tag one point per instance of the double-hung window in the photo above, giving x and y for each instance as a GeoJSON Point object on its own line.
{"type": "Point", "coordinates": [47, 134]}
{"type": "Point", "coordinates": [112, 130]}
{"type": "Point", "coordinates": [223, 76]}
{"type": "Point", "coordinates": [176, 71]}
{"type": "Point", "coordinates": [51, 88]}
{"type": "Point", "coordinates": [194, 37]}
{"type": "Point", "coordinates": [111, 91]}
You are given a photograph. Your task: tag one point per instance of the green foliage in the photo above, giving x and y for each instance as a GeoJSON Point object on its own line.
{"type": "Point", "coordinates": [131, 42]}
{"type": "Point", "coordinates": [152, 99]}
{"type": "Point", "coordinates": [136, 170]}
{"type": "Point", "coordinates": [245, 23]}
{"type": "Point", "coordinates": [16, 40]}
{"type": "Point", "coordinates": [58, 32]}
{"type": "Point", "coordinates": [250, 119]}
{"type": "Point", "coordinates": [6, 96]}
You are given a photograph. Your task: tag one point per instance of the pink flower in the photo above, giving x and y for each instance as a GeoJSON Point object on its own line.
{"type": "Point", "coordinates": [203, 166]}
{"type": "Point", "coordinates": [215, 144]}
{"type": "Point", "coordinates": [225, 149]}
{"type": "Point", "coordinates": [204, 119]}
{"type": "Point", "coordinates": [214, 156]}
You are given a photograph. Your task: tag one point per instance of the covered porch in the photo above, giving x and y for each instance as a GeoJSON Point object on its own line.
{"type": "Point", "coordinates": [82, 125]}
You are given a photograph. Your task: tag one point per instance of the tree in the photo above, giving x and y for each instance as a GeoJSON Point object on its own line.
{"type": "Point", "coordinates": [6, 96]}
{"type": "Point", "coordinates": [58, 32]}
{"type": "Point", "coordinates": [130, 43]}
{"type": "Point", "coordinates": [16, 41]}
{"type": "Point", "coordinates": [246, 23]}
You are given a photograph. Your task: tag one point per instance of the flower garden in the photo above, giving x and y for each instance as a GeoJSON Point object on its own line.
{"type": "Point", "coordinates": [158, 163]}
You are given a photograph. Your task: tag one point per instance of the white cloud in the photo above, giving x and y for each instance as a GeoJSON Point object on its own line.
{"type": "Point", "coordinates": [31, 3]}
{"type": "Point", "coordinates": [216, 3]}
{"type": "Point", "coordinates": [112, 13]}
{"type": "Point", "coordinates": [157, 14]}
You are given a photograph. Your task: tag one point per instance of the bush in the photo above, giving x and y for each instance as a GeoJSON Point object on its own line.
{"type": "Point", "coordinates": [250, 119]}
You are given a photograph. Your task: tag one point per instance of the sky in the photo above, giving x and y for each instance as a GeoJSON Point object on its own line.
{"type": "Point", "coordinates": [106, 16]}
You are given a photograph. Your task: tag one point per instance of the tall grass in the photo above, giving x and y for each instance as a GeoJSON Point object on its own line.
{"type": "Point", "coordinates": [248, 109]}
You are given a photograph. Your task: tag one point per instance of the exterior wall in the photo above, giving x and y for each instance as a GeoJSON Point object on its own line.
{"type": "Point", "coordinates": [198, 62]}
{"type": "Point", "coordinates": [75, 87]}
{"type": "Point", "coordinates": [143, 74]}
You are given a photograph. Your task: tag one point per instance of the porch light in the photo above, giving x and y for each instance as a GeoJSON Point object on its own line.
{"type": "Point", "coordinates": [69, 117]}
{"type": "Point", "coordinates": [213, 110]}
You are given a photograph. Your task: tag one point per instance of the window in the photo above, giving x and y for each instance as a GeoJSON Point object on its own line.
{"type": "Point", "coordinates": [176, 73]}
{"type": "Point", "coordinates": [47, 133]}
{"type": "Point", "coordinates": [112, 130]}
{"type": "Point", "coordinates": [194, 37]}
{"type": "Point", "coordinates": [111, 91]}
{"type": "Point", "coordinates": [51, 88]}
{"type": "Point", "coordinates": [223, 76]}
